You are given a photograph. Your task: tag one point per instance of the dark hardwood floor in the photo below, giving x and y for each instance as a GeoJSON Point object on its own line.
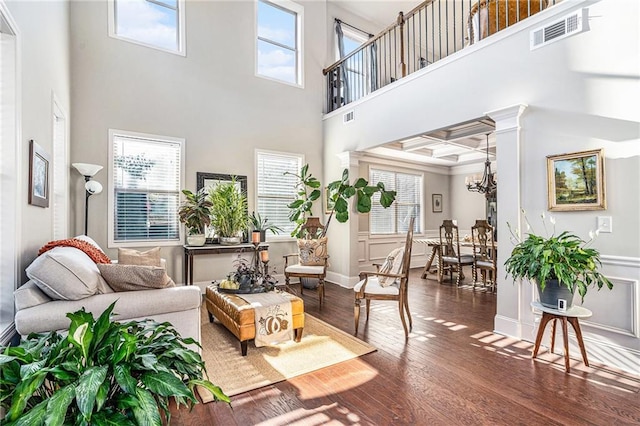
{"type": "Point", "coordinates": [452, 370]}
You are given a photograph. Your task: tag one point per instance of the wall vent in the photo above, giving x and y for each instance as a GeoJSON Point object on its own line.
{"type": "Point", "coordinates": [347, 117]}
{"type": "Point", "coordinates": [569, 25]}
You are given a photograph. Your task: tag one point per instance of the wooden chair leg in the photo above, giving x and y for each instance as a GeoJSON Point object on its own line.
{"type": "Point", "coordinates": [406, 308]}
{"type": "Point", "coordinates": [368, 303]}
{"type": "Point", "coordinates": [404, 321]}
{"type": "Point", "coordinates": [356, 314]}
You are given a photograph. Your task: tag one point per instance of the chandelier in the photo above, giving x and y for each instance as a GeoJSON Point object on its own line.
{"type": "Point", "coordinates": [488, 183]}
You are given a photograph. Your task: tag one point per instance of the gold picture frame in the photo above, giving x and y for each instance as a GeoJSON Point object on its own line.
{"type": "Point", "coordinates": [576, 181]}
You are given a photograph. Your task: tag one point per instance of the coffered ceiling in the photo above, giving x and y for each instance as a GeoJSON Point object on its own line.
{"type": "Point", "coordinates": [464, 143]}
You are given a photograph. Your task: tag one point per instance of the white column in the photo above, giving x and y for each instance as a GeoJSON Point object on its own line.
{"type": "Point", "coordinates": [508, 319]}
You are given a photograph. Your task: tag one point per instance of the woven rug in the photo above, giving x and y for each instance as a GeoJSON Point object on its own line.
{"type": "Point", "coordinates": [322, 345]}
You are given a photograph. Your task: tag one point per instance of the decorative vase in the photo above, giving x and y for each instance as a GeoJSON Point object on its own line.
{"type": "Point", "coordinates": [229, 241]}
{"type": "Point", "coordinates": [553, 291]}
{"type": "Point", "coordinates": [196, 240]}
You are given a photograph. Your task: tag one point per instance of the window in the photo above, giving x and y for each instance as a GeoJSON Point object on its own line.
{"type": "Point", "coordinates": [395, 219]}
{"type": "Point", "coordinates": [144, 189]}
{"type": "Point", "coordinates": [279, 40]}
{"type": "Point", "coordinates": [275, 189]}
{"type": "Point", "coordinates": [355, 69]}
{"type": "Point", "coordinates": [152, 23]}
{"type": "Point", "coordinates": [60, 192]}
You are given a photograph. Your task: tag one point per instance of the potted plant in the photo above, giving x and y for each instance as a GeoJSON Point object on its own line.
{"type": "Point", "coordinates": [195, 213]}
{"type": "Point", "coordinates": [339, 193]}
{"type": "Point", "coordinates": [228, 211]}
{"type": "Point", "coordinates": [558, 264]}
{"type": "Point", "coordinates": [262, 225]}
{"type": "Point", "coordinates": [101, 372]}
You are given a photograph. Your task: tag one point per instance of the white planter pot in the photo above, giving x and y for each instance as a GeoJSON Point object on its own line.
{"type": "Point", "coordinates": [196, 240]}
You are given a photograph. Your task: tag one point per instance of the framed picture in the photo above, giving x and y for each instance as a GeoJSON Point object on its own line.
{"type": "Point", "coordinates": [436, 203]}
{"type": "Point", "coordinates": [208, 180]}
{"type": "Point", "coordinates": [576, 181]}
{"type": "Point", "coordinates": [328, 202]}
{"type": "Point", "coordinates": [39, 163]}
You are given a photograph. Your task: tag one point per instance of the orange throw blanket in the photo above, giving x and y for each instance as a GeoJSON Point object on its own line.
{"type": "Point", "coordinates": [90, 250]}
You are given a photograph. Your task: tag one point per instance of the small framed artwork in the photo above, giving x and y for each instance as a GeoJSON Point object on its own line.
{"type": "Point", "coordinates": [436, 203]}
{"type": "Point", "coordinates": [328, 202]}
{"type": "Point", "coordinates": [576, 181]}
{"type": "Point", "coordinates": [39, 163]}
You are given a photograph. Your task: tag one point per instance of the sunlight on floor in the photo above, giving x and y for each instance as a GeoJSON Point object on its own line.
{"type": "Point", "coordinates": [597, 374]}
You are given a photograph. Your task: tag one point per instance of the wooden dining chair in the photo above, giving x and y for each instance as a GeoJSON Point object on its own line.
{"type": "Point", "coordinates": [484, 253]}
{"type": "Point", "coordinates": [450, 259]}
{"type": "Point", "coordinates": [312, 258]}
{"type": "Point", "coordinates": [389, 282]}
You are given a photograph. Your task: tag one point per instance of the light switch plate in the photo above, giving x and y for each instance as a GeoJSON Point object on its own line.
{"type": "Point", "coordinates": [605, 224]}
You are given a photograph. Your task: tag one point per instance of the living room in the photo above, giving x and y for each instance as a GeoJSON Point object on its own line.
{"type": "Point", "coordinates": [574, 95]}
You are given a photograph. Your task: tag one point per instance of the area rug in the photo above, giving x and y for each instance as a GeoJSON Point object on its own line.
{"type": "Point", "coordinates": [322, 345]}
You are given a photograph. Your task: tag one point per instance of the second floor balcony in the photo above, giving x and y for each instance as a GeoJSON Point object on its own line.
{"type": "Point", "coordinates": [432, 31]}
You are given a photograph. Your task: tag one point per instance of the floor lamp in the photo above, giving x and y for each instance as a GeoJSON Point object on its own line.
{"type": "Point", "coordinates": [91, 186]}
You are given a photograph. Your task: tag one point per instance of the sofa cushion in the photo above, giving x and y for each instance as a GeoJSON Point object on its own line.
{"type": "Point", "coordinates": [66, 273]}
{"type": "Point", "coordinates": [134, 257]}
{"type": "Point", "coordinates": [135, 277]}
{"type": "Point", "coordinates": [392, 265]}
{"type": "Point", "coordinates": [29, 295]}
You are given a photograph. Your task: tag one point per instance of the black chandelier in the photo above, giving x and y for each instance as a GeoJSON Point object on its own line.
{"type": "Point", "coordinates": [488, 184]}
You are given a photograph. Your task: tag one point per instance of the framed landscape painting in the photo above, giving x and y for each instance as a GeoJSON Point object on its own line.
{"type": "Point", "coordinates": [576, 181]}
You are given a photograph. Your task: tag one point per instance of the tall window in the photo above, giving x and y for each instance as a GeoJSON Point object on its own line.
{"type": "Point", "coordinates": [395, 219]}
{"type": "Point", "coordinates": [144, 189]}
{"type": "Point", "coordinates": [355, 70]}
{"type": "Point", "coordinates": [60, 174]}
{"type": "Point", "coordinates": [279, 41]}
{"type": "Point", "coordinates": [153, 23]}
{"type": "Point", "coordinates": [275, 189]}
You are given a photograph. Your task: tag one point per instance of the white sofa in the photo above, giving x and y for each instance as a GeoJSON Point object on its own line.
{"type": "Point", "coordinates": [65, 279]}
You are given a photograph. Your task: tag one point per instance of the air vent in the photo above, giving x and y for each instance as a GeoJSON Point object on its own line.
{"type": "Point", "coordinates": [569, 25]}
{"type": "Point", "coordinates": [348, 117]}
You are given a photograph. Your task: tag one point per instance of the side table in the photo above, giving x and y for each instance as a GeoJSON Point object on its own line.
{"type": "Point", "coordinates": [571, 316]}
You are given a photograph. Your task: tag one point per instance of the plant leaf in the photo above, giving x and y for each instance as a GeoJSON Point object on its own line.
{"type": "Point", "coordinates": [166, 384]}
{"type": "Point", "coordinates": [23, 392]}
{"type": "Point", "coordinates": [58, 404]}
{"type": "Point", "coordinates": [35, 416]}
{"type": "Point", "coordinates": [216, 391]}
{"type": "Point", "coordinates": [87, 389]}
{"type": "Point", "coordinates": [146, 413]}
{"type": "Point", "coordinates": [124, 379]}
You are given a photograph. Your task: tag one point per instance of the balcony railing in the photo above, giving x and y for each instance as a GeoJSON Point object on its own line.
{"type": "Point", "coordinates": [430, 32]}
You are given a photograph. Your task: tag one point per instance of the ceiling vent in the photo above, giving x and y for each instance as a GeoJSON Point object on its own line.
{"type": "Point", "coordinates": [569, 25]}
{"type": "Point", "coordinates": [347, 117]}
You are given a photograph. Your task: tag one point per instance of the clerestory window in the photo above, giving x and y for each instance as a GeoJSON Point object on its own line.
{"type": "Point", "coordinates": [279, 41]}
{"type": "Point", "coordinates": [153, 23]}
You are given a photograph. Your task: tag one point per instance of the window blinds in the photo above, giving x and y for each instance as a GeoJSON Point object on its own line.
{"type": "Point", "coordinates": [275, 189]}
{"type": "Point", "coordinates": [395, 219]}
{"type": "Point", "coordinates": [146, 177]}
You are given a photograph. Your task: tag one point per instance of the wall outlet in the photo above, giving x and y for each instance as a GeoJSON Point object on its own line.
{"type": "Point", "coordinates": [604, 224]}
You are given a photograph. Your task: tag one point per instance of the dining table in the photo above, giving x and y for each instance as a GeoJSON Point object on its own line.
{"type": "Point", "coordinates": [434, 243]}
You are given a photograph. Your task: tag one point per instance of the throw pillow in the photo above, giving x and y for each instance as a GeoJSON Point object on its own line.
{"type": "Point", "coordinates": [66, 273]}
{"type": "Point", "coordinates": [135, 277]}
{"type": "Point", "coordinates": [134, 257]}
{"type": "Point", "coordinates": [392, 265]}
{"type": "Point", "coordinates": [313, 252]}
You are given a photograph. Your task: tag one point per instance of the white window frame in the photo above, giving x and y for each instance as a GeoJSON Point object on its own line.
{"type": "Point", "coordinates": [301, 161]}
{"type": "Point", "coordinates": [112, 243]}
{"type": "Point", "coordinates": [61, 167]}
{"type": "Point", "coordinates": [395, 203]}
{"type": "Point", "coordinates": [11, 200]}
{"type": "Point", "coordinates": [299, 11]}
{"type": "Point", "coordinates": [182, 45]}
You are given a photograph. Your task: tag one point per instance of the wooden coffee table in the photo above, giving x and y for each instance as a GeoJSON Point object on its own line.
{"type": "Point", "coordinates": [238, 315]}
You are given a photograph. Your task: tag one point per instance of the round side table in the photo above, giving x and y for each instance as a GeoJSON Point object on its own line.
{"type": "Point", "coordinates": [571, 316]}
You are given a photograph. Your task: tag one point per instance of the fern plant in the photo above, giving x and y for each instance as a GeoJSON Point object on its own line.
{"type": "Point", "coordinates": [101, 373]}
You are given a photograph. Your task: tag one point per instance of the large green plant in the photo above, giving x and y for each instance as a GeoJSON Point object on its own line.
{"type": "Point", "coordinates": [565, 257]}
{"type": "Point", "coordinates": [228, 209]}
{"type": "Point", "coordinates": [195, 211]}
{"type": "Point", "coordinates": [101, 373]}
{"type": "Point", "coordinates": [339, 193]}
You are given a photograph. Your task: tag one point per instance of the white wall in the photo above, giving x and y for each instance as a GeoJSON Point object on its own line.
{"type": "Point", "coordinates": [211, 98]}
{"type": "Point", "coordinates": [44, 53]}
{"type": "Point", "coordinates": [582, 93]}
